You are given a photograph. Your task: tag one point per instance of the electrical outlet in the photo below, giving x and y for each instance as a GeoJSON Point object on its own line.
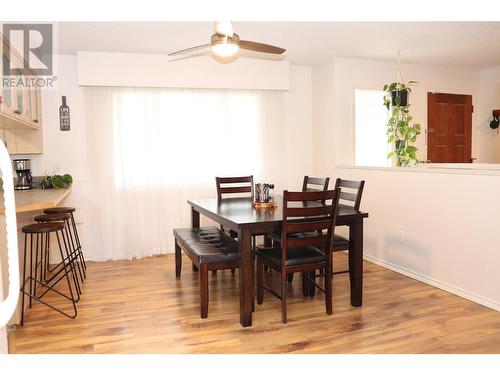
{"type": "Point", "coordinates": [401, 236]}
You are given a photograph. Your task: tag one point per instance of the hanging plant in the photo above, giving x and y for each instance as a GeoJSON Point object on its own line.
{"type": "Point", "coordinates": [400, 131]}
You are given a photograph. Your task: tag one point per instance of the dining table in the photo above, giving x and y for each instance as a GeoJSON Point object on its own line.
{"type": "Point", "coordinates": [240, 215]}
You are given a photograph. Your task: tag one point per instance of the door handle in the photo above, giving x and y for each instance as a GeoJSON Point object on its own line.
{"type": "Point", "coordinates": [430, 130]}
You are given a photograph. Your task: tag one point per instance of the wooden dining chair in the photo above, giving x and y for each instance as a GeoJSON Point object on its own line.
{"type": "Point", "coordinates": [315, 183]}
{"type": "Point", "coordinates": [309, 184]}
{"type": "Point", "coordinates": [303, 212]}
{"type": "Point", "coordinates": [350, 196]}
{"type": "Point", "coordinates": [234, 187]}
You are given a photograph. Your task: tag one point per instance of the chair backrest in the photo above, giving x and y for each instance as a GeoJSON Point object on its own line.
{"type": "Point", "coordinates": [351, 192]}
{"type": "Point", "coordinates": [310, 212]}
{"type": "Point", "coordinates": [318, 184]}
{"type": "Point", "coordinates": [234, 185]}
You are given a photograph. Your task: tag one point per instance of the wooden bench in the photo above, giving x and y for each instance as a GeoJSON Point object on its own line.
{"type": "Point", "coordinates": [209, 248]}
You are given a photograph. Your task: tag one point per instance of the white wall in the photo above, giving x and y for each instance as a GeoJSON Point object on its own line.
{"type": "Point", "coordinates": [489, 99]}
{"type": "Point", "coordinates": [298, 126]}
{"type": "Point", "coordinates": [160, 70]}
{"type": "Point", "coordinates": [324, 130]}
{"type": "Point", "coordinates": [450, 224]}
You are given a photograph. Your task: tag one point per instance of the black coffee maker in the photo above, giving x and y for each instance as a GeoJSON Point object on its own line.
{"type": "Point", "coordinates": [24, 178]}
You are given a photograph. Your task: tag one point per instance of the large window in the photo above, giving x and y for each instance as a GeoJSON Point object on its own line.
{"type": "Point", "coordinates": [175, 136]}
{"type": "Point", "coordinates": [371, 147]}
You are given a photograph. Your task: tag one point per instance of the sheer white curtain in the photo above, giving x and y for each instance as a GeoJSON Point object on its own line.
{"type": "Point", "coordinates": [150, 150]}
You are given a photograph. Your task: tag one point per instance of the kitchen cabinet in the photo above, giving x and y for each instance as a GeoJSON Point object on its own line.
{"type": "Point", "coordinates": [21, 115]}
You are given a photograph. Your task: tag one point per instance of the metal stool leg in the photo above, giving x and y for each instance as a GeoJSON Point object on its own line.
{"type": "Point", "coordinates": [23, 286]}
{"type": "Point", "coordinates": [71, 264]}
{"type": "Point", "coordinates": [36, 262]}
{"type": "Point", "coordinates": [75, 251]}
{"type": "Point", "coordinates": [31, 268]}
{"type": "Point", "coordinates": [66, 274]}
{"type": "Point", "coordinates": [75, 231]}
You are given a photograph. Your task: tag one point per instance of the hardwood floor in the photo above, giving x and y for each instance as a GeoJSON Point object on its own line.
{"type": "Point", "coordinates": [139, 307]}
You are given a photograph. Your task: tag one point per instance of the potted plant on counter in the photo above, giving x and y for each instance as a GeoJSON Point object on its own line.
{"type": "Point", "coordinates": [400, 130]}
{"type": "Point", "coordinates": [56, 181]}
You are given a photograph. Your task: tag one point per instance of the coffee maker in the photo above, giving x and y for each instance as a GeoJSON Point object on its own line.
{"type": "Point", "coordinates": [24, 178]}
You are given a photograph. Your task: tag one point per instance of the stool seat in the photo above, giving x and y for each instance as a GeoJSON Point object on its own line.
{"type": "Point", "coordinates": [43, 227]}
{"type": "Point", "coordinates": [59, 210]}
{"type": "Point", "coordinates": [51, 217]}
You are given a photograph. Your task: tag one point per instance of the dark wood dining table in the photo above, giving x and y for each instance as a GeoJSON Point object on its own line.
{"type": "Point", "coordinates": [241, 216]}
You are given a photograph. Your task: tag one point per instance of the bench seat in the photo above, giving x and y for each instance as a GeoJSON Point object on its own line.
{"type": "Point", "coordinates": [207, 245]}
{"type": "Point", "coordinates": [209, 249]}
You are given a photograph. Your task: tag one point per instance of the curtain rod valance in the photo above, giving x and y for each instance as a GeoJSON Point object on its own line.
{"type": "Point", "coordinates": [155, 70]}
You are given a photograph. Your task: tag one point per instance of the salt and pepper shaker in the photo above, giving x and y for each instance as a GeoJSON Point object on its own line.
{"type": "Point", "coordinates": [264, 193]}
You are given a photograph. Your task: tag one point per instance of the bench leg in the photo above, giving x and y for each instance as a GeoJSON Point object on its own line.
{"type": "Point", "coordinates": [312, 287]}
{"type": "Point", "coordinates": [203, 290]}
{"type": "Point", "coordinates": [178, 260]}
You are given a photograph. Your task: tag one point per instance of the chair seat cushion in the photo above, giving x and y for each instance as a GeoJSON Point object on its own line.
{"type": "Point", "coordinates": [207, 244]}
{"type": "Point", "coordinates": [294, 256]}
{"type": "Point", "coordinates": [339, 242]}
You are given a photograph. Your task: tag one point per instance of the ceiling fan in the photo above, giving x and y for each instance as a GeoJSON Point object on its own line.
{"type": "Point", "coordinates": [225, 44]}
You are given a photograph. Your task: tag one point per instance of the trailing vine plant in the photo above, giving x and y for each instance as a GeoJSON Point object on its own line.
{"type": "Point", "coordinates": [400, 131]}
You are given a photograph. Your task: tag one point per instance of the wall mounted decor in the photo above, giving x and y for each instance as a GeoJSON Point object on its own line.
{"type": "Point", "coordinates": [64, 118]}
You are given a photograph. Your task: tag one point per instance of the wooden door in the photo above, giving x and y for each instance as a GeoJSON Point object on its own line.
{"type": "Point", "coordinates": [449, 128]}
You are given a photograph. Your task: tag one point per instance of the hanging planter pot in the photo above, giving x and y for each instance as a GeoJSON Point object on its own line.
{"type": "Point", "coordinates": [399, 98]}
{"type": "Point", "coordinates": [401, 131]}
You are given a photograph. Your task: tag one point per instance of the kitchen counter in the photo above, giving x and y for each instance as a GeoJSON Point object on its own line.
{"type": "Point", "coordinates": [37, 199]}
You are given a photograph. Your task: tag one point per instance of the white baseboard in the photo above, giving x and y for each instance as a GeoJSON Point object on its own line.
{"type": "Point", "coordinates": [436, 283]}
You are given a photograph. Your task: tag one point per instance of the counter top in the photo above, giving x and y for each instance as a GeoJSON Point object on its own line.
{"type": "Point", "coordinates": [439, 168]}
{"type": "Point", "coordinates": [37, 199]}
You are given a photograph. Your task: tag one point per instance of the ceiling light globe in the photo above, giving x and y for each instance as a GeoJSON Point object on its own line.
{"type": "Point", "coordinates": [224, 48]}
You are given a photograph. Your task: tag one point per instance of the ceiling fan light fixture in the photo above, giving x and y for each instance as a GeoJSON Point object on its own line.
{"type": "Point", "coordinates": [225, 48]}
{"type": "Point", "coordinates": [223, 28]}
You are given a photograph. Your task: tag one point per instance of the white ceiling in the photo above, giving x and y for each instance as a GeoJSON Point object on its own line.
{"type": "Point", "coordinates": [457, 44]}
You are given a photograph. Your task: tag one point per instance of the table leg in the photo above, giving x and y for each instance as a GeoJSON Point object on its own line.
{"type": "Point", "coordinates": [246, 278]}
{"type": "Point", "coordinates": [356, 261]}
{"type": "Point", "coordinates": [195, 223]}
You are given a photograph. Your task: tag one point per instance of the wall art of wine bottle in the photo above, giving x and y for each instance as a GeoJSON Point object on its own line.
{"type": "Point", "coordinates": [64, 119]}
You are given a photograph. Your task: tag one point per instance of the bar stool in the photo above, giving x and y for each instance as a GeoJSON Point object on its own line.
{"type": "Point", "coordinates": [38, 233]}
{"type": "Point", "coordinates": [69, 210]}
{"type": "Point", "coordinates": [74, 253]}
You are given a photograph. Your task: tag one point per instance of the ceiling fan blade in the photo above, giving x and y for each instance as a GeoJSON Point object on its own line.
{"type": "Point", "coordinates": [261, 47]}
{"type": "Point", "coordinates": [189, 56]}
{"type": "Point", "coordinates": [223, 28]}
{"type": "Point", "coordinates": [188, 50]}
